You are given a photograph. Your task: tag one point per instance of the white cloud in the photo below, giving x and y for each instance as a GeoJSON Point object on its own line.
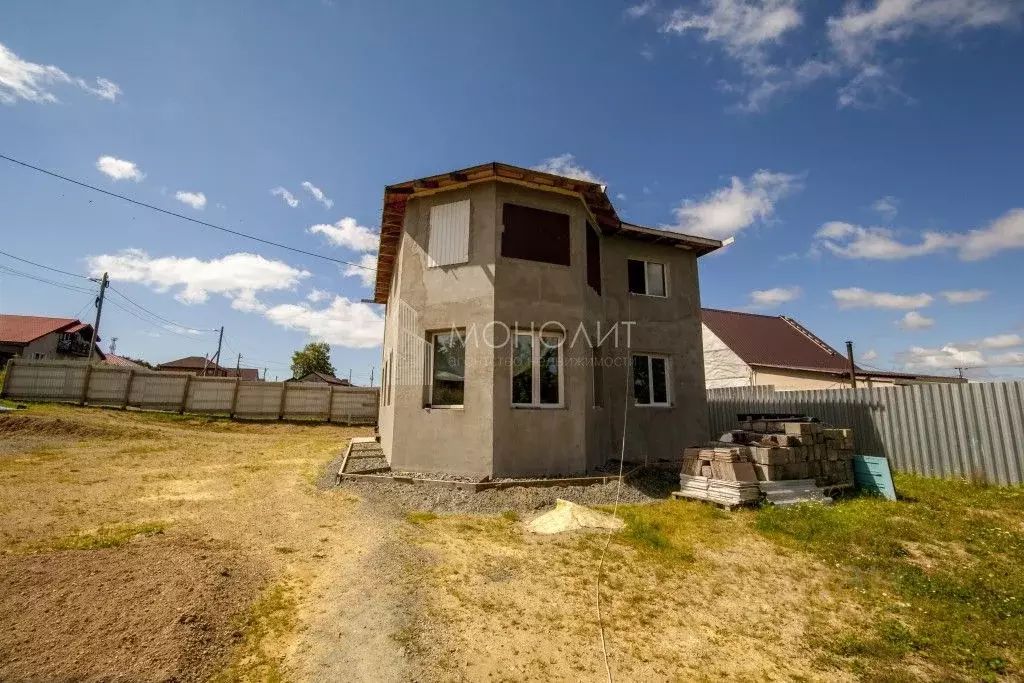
{"type": "Point", "coordinates": [1006, 232]}
{"type": "Point", "coordinates": [287, 196]}
{"type": "Point", "coordinates": [742, 27]}
{"type": "Point", "coordinates": [24, 80]}
{"type": "Point", "coordinates": [853, 241]}
{"type": "Point", "coordinates": [646, 190]}
{"type": "Point", "coordinates": [730, 209]}
{"type": "Point", "coordinates": [1011, 358]}
{"type": "Point", "coordinates": [856, 242]}
{"type": "Point", "coordinates": [870, 354]}
{"type": "Point", "coordinates": [857, 33]}
{"type": "Point", "coordinates": [367, 274]}
{"type": "Point", "coordinates": [317, 295]}
{"type": "Point", "coordinates": [343, 322]}
{"type": "Point", "coordinates": [119, 169]}
{"type": "Point", "coordinates": [1002, 341]}
{"type": "Point", "coordinates": [317, 194]}
{"type": "Point", "coordinates": [238, 276]}
{"type": "Point", "coordinates": [856, 297]}
{"type": "Point", "coordinates": [915, 321]}
{"type": "Point", "coordinates": [641, 9]}
{"type": "Point", "coordinates": [197, 200]}
{"type": "Point", "coordinates": [749, 31]}
{"type": "Point", "coordinates": [773, 297]}
{"type": "Point", "coordinates": [621, 197]}
{"type": "Point", "coordinates": [888, 206]}
{"type": "Point", "coordinates": [349, 234]}
{"type": "Point", "coordinates": [965, 296]}
{"type": "Point", "coordinates": [946, 358]}
{"type": "Point", "coordinates": [565, 165]}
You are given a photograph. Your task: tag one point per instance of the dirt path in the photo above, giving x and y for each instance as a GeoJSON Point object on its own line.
{"type": "Point", "coordinates": [358, 608]}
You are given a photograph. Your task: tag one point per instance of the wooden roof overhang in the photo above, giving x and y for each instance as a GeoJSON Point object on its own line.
{"type": "Point", "coordinates": [599, 208]}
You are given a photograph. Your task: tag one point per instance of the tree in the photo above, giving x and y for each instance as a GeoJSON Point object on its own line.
{"type": "Point", "coordinates": [316, 357]}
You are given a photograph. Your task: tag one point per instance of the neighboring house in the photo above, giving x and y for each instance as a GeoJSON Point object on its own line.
{"type": "Point", "coordinates": [321, 377]}
{"type": "Point", "coordinates": [499, 281]}
{"type": "Point", "coordinates": [199, 365]}
{"type": "Point", "coordinates": [39, 338]}
{"type": "Point", "coordinates": [749, 349]}
{"type": "Point", "coordinates": [122, 362]}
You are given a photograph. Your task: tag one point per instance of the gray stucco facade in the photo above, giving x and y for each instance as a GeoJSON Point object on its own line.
{"type": "Point", "coordinates": [489, 295]}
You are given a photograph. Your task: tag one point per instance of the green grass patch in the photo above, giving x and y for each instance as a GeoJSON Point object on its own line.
{"type": "Point", "coordinates": [942, 569]}
{"type": "Point", "coordinates": [107, 536]}
{"type": "Point", "coordinates": [272, 616]}
{"type": "Point", "coordinates": [420, 517]}
{"type": "Point", "coordinates": [672, 529]}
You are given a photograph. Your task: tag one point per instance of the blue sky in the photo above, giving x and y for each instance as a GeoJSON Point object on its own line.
{"type": "Point", "coordinates": [866, 157]}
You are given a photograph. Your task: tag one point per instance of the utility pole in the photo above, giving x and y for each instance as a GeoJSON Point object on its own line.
{"type": "Point", "coordinates": [960, 371]}
{"type": "Point", "coordinates": [371, 375]}
{"type": "Point", "coordinates": [220, 340]}
{"type": "Point", "coordinates": [264, 374]}
{"type": "Point", "coordinates": [238, 366]}
{"type": "Point", "coordinates": [350, 375]}
{"type": "Point", "coordinates": [99, 311]}
{"type": "Point", "coordinates": [113, 345]}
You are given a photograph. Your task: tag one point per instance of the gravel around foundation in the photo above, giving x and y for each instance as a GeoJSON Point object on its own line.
{"type": "Point", "coordinates": [644, 486]}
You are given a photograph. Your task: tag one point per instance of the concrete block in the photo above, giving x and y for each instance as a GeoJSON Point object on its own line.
{"type": "Point", "coordinates": [771, 456]}
{"type": "Point", "coordinates": [769, 472]}
{"type": "Point", "coordinates": [705, 471]}
{"type": "Point", "coordinates": [733, 454]}
{"type": "Point", "coordinates": [746, 426]}
{"type": "Point", "coordinates": [798, 428]}
{"type": "Point", "coordinates": [733, 471]}
{"type": "Point", "coordinates": [691, 467]}
{"type": "Point", "coordinates": [819, 451]}
{"type": "Point", "coordinates": [692, 452]}
{"type": "Point", "coordinates": [759, 426]}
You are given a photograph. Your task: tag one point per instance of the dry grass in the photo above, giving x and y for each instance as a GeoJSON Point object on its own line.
{"type": "Point", "coordinates": [925, 589]}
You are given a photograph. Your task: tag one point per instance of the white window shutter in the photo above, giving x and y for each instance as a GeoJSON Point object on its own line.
{"type": "Point", "coordinates": [449, 234]}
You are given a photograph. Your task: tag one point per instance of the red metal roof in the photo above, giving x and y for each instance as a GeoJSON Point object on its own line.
{"type": "Point", "coordinates": [122, 362]}
{"type": "Point", "coordinates": [773, 340]}
{"type": "Point", "coordinates": [23, 329]}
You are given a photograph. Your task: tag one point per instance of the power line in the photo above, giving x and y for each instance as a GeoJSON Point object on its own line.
{"type": "Point", "coordinates": [150, 322]}
{"type": "Point", "coordinates": [40, 265]}
{"type": "Point", "coordinates": [158, 316]}
{"type": "Point", "coordinates": [71, 288]}
{"type": "Point", "coordinates": [182, 216]}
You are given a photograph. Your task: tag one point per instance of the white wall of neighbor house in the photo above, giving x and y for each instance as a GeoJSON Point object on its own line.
{"type": "Point", "coordinates": [722, 367]}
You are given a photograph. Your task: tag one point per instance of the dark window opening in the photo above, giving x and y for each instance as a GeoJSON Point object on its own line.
{"type": "Point", "coordinates": [448, 369]}
{"type": "Point", "coordinates": [637, 277]}
{"type": "Point", "coordinates": [593, 259]}
{"type": "Point", "coordinates": [535, 235]}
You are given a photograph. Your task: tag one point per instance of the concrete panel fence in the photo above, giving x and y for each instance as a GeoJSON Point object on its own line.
{"type": "Point", "coordinates": [29, 380]}
{"type": "Point", "coordinates": [940, 430]}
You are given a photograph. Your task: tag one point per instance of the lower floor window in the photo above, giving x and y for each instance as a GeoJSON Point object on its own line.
{"type": "Point", "coordinates": [537, 369]}
{"type": "Point", "coordinates": [650, 380]}
{"type": "Point", "coordinates": [448, 368]}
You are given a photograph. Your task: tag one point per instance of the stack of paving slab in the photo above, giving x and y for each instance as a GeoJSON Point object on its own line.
{"type": "Point", "coordinates": [723, 475]}
{"type": "Point", "coordinates": [783, 450]}
{"type": "Point", "coordinates": [800, 456]}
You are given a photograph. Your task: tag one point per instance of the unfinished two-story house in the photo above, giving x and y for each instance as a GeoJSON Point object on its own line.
{"type": "Point", "coordinates": [525, 322]}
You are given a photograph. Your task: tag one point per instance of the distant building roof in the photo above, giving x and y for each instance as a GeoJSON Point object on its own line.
{"type": "Point", "coordinates": [778, 341]}
{"type": "Point", "coordinates": [772, 340]}
{"type": "Point", "coordinates": [24, 329]}
{"type": "Point", "coordinates": [321, 377]}
{"type": "Point", "coordinates": [122, 362]}
{"type": "Point", "coordinates": [199, 363]}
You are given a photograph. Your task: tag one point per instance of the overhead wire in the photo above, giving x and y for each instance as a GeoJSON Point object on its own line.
{"type": "Point", "coordinates": [40, 265]}
{"type": "Point", "coordinates": [165, 328]}
{"type": "Point", "coordinates": [157, 315]}
{"type": "Point", "coordinates": [18, 273]}
{"type": "Point", "coordinates": [175, 214]}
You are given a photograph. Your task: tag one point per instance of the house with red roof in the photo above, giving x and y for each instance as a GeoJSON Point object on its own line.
{"type": "Point", "coordinates": [198, 365]}
{"type": "Point", "coordinates": [750, 349]}
{"type": "Point", "coordinates": [41, 338]}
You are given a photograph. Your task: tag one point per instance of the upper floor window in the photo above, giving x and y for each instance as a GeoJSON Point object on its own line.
{"type": "Point", "coordinates": [646, 277]}
{"type": "Point", "coordinates": [593, 259]}
{"type": "Point", "coordinates": [449, 234]}
{"type": "Point", "coordinates": [535, 234]}
{"type": "Point", "coordinates": [537, 369]}
{"type": "Point", "coordinates": [447, 368]}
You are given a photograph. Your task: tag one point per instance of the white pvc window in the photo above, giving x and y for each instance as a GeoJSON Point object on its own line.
{"type": "Point", "coordinates": [646, 277]}
{"type": "Point", "coordinates": [447, 369]}
{"type": "Point", "coordinates": [537, 370]}
{"type": "Point", "coordinates": [651, 380]}
{"type": "Point", "coordinates": [448, 243]}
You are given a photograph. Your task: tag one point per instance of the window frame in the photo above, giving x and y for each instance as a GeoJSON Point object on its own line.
{"type": "Point", "coordinates": [535, 349]}
{"type": "Point", "coordinates": [650, 385]}
{"type": "Point", "coordinates": [647, 284]}
{"type": "Point", "coordinates": [430, 374]}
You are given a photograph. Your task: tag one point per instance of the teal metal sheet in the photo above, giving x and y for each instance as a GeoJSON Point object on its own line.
{"type": "Point", "coordinates": [872, 474]}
